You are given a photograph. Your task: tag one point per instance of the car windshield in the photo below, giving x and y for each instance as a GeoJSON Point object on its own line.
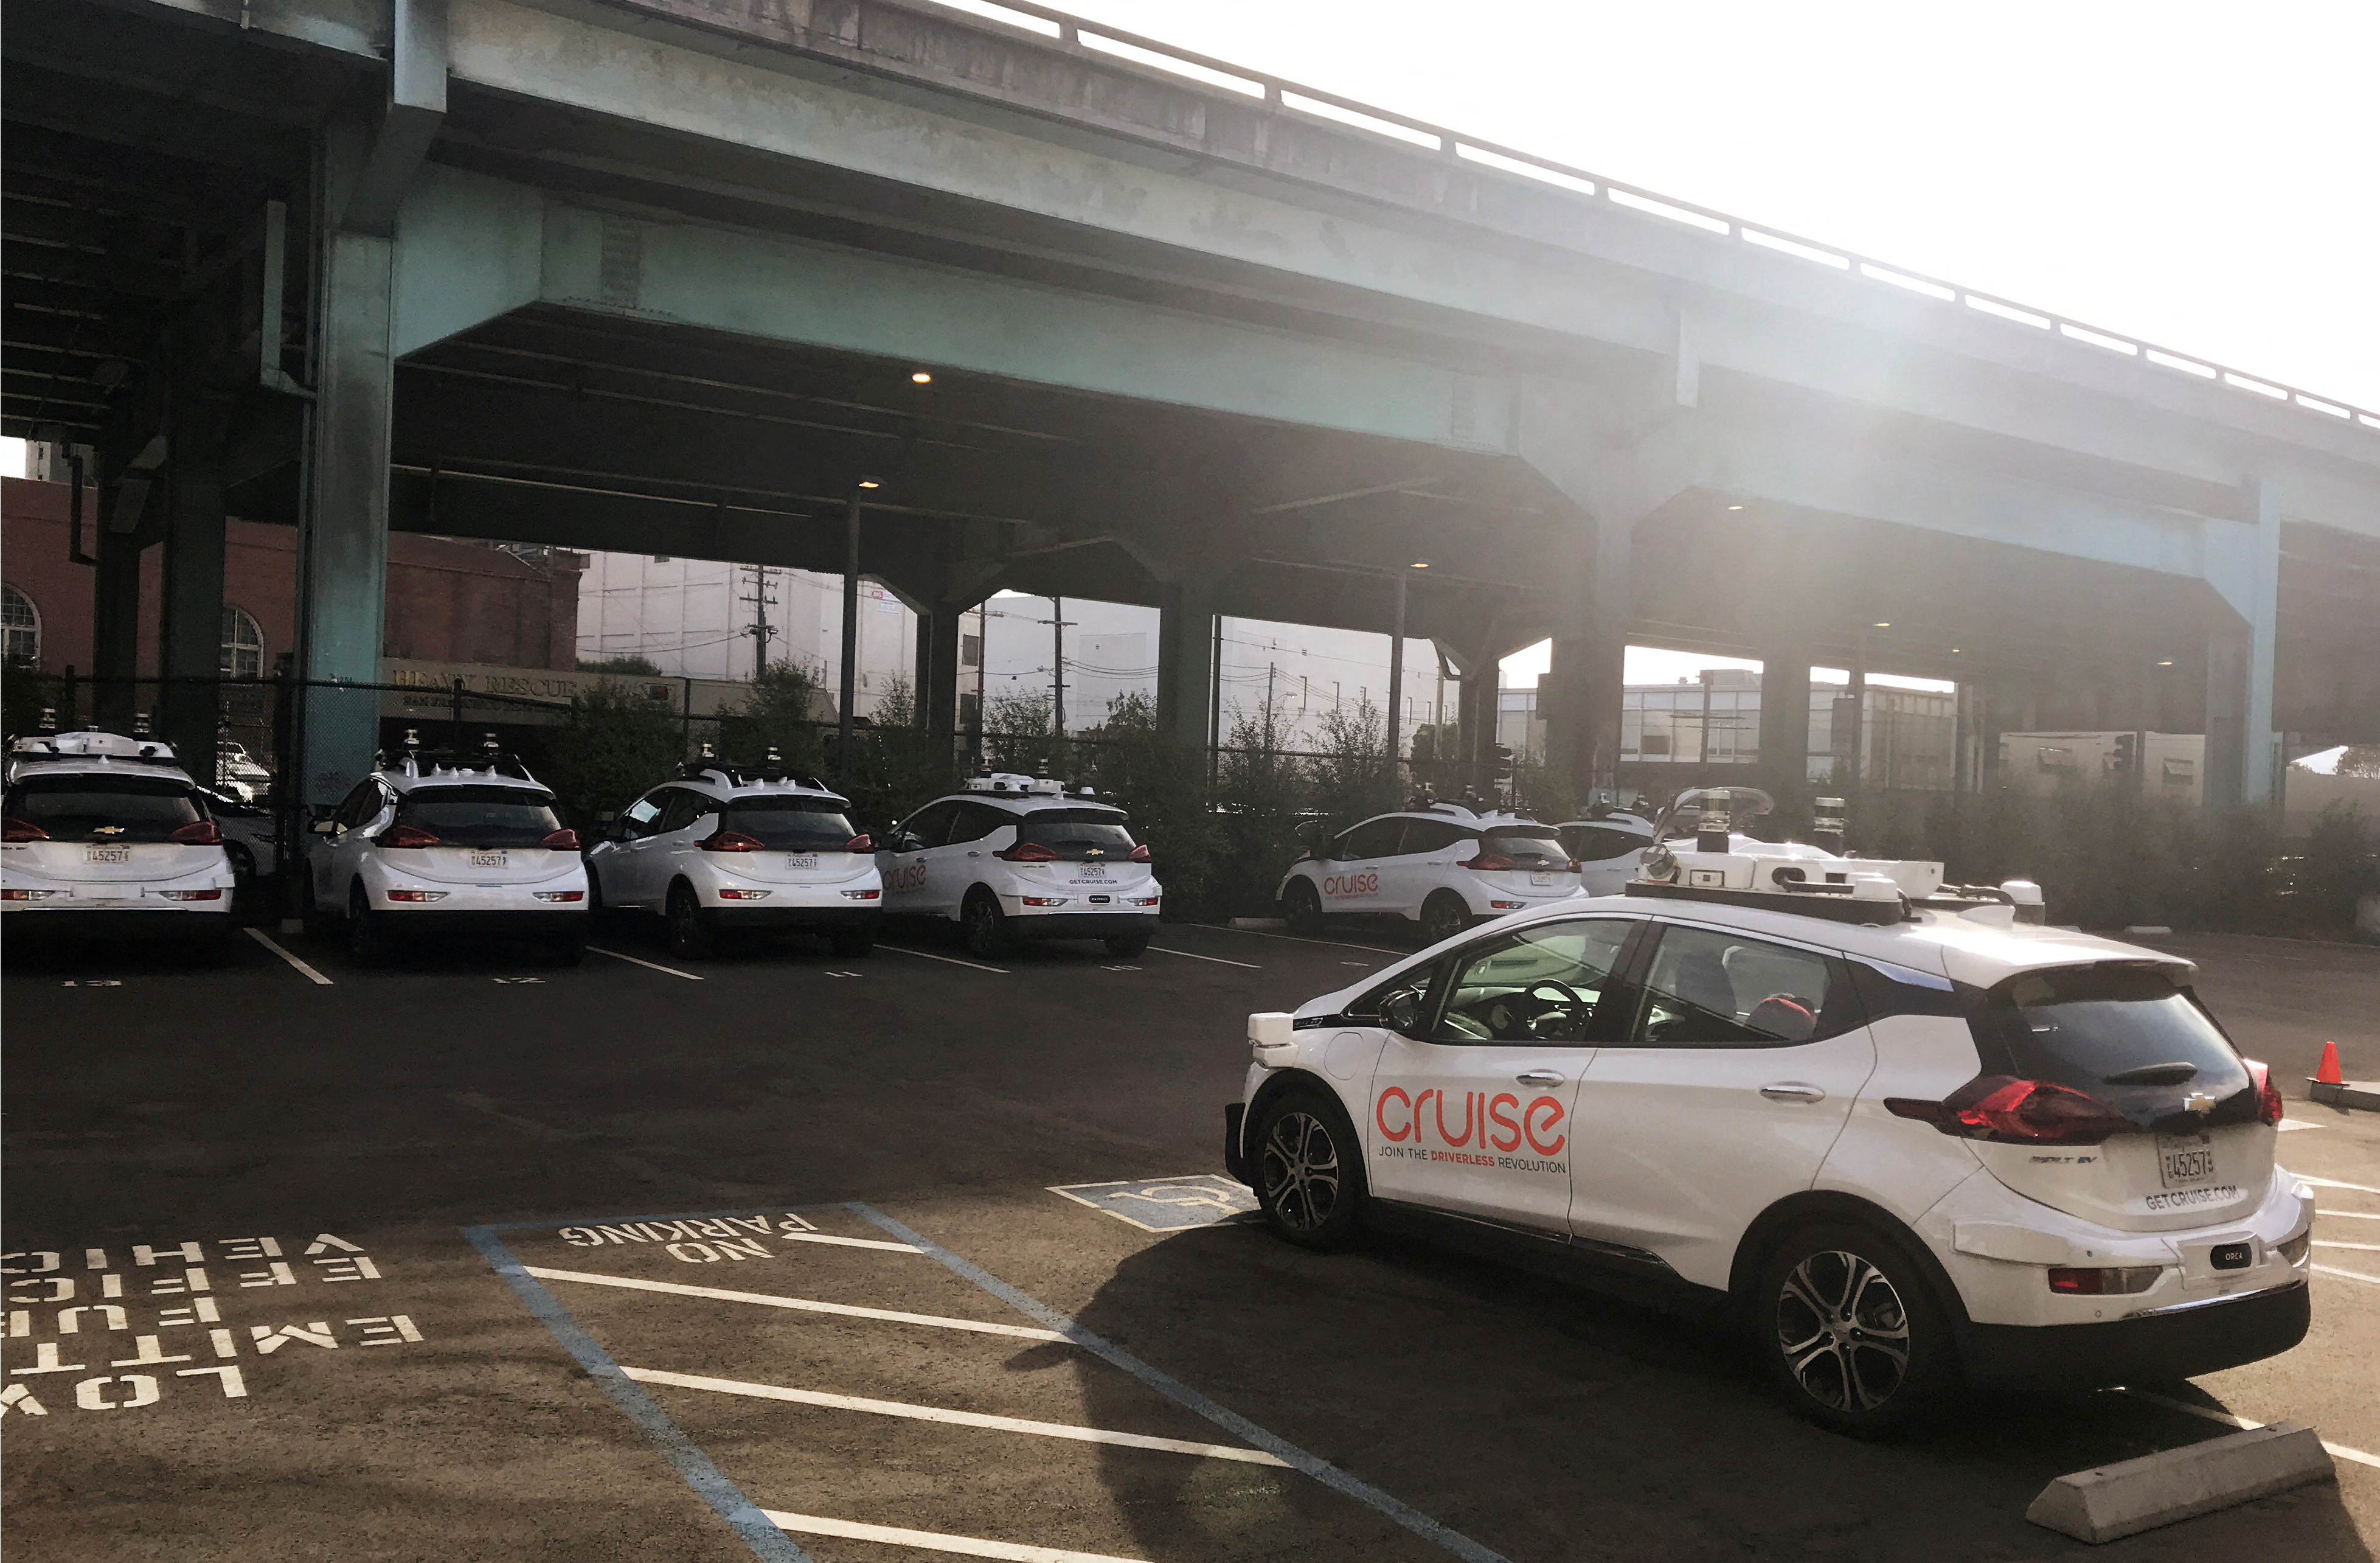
{"type": "Point", "coordinates": [2125, 1035]}
{"type": "Point", "coordinates": [1529, 846]}
{"type": "Point", "coordinates": [801, 825]}
{"type": "Point", "coordinates": [1078, 835]}
{"type": "Point", "coordinates": [481, 817]}
{"type": "Point", "coordinates": [106, 809]}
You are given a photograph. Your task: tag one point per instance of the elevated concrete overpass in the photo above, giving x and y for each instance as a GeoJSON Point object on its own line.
{"type": "Point", "coordinates": [657, 276]}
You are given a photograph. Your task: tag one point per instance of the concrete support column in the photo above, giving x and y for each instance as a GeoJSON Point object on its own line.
{"type": "Point", "coordinates": [2239, 669]}
{"type": "Point", "coordinates": [1186, 658]}
{"type": "Point", "coordinates": [1785, 726]}
{"type": "Point", "coordinates": [116, 628]}
{"type": "Point", "coordinates": [1583, 691]}
{"type": "Point", "coordinates": [1475, 714]}
{"type": "Point", "coordinates": [342, 533]}
{"type": "Point", "coordinates": [937, 669]}
{"type": "Point", "coordinates": [190, 636]}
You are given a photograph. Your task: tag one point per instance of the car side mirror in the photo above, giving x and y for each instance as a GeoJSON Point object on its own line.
{"type": "Point", "coordinates": [1401, 1012]}
{"type": "Point", "coordinates": [323, 827]}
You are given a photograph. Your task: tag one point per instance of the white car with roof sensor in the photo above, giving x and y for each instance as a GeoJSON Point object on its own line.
{"type": "Point", "coordinates": [1605, 845]}
{"type": "Point", "coordinates": [108, 836]}
{"type": "Point", "coordinates": [1442, 865]}
{"type": "Point", "coordinates": [1896, 1132]}
{"type": "Point", "coordinates": [1014, 857]}
{"type": "Point", "coordinates": [721, 850]}
{"type": "Point", "coordinates": [435, 847]}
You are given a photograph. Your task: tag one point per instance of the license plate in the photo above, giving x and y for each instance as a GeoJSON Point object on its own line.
{"type": "Point", "coordinates": [1541, 879]}
{"type": "Point", "coordinates": [107, 854]}
{"type": "Point", "coordinates": [801, 860]}
{"type": "Point", "coordinates": [487, 860]}
{"type": "Point", "coordinates": [2185, 1161]}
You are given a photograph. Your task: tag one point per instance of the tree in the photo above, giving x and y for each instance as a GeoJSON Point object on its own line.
{"type": "Point", "coordinates": [617, 744]}
{"type": "Point", "coordinates": [627, 666]}
{"type": "Point", "coordinates": [1352, 779]}
{"type": "Point", "coordinates": [1140, 767]}
{"type": "Point", "coordinates": [783, 711]}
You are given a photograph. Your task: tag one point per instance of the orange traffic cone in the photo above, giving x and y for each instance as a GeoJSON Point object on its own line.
{"type": "Point", "coordinates": [2326, 1072]}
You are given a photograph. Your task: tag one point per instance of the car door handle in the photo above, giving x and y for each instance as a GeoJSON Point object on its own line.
{"type": "Point", "coordinates": [1792, 1093]}
{"type": "Point", "coordinates": [1538, 1076]}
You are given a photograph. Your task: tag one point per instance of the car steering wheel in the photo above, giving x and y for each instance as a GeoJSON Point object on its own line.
{"type": "Point", "coordinates": [1569, 998]}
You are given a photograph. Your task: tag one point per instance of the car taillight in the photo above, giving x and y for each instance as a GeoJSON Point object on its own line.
{"type": "Point", "coordinates": [198, 833]}
{"type": "Point", "coordinates": [729, 841]}
{"type": "Point", "coordinates": [2268, 1091]}
{"type": "Point", "coordinates": [1140, 855]}
{"type": "Point", "coordinates": [2018, 1112]}
{"type": "Point", "coordinates": [862, 843]}
{"type": "Point", "coordinates": [407, 836]}
{"type": "Point", "coordinates": [2104, 1281]}
{"type": "Point", "coordinates": [1575, 865]}
{"type": "Point", "coordinates": [22, 830]}
{"type": "Point", "coordinates": [564, 840]}
{"type": "Point", "coordinates": [1491, 863]}
{"type": "Point", "coordinates": [1029, 852]}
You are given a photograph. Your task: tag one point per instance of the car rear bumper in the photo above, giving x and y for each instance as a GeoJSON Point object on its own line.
{"type": "Point", "coordinates": [1081, 924]}
{"type": "Point", "coordinates": [2157, 1348]}
{"type": "Point", "coordinates": [564, 922]}
{"type": "Point", "coordinates": [788, 918]}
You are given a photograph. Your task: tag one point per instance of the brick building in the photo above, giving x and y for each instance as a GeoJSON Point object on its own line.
{"type": "Point", "coordinates": [448, 601]}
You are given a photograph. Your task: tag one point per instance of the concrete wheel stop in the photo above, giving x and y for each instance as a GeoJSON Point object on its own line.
{"type": "Point", "coordinates": [2123, 1499]}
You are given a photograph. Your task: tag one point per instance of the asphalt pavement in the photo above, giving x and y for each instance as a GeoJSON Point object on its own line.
{"type": "Point", "coordinates": [920, 1256]}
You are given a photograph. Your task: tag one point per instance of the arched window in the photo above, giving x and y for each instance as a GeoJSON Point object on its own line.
{"type": "Point", "coordinates": [243, 645]}
{"type": "Point", "coordinates": [22, 622]}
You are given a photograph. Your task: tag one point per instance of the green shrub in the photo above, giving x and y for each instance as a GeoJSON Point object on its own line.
{"type": "Point", "coordinates": [617, 744]}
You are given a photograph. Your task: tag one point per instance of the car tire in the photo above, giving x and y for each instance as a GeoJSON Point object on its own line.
{"type": "Point", "coordinates": [1131, 949]}
{"type": "Point", "coordinates": [1302, 909]}
{"type": "Point", "coordinates": [986, 925]}
{"type": "Point", "coordinates": [688, 932]}
{"type": "Point", "coordinates": [310, 912]}
{"type": "Point", "coordinates": [852, 943]}
{"type": "Point", "coordinates": [1443, 916]}
{"type": "Point", "coordinates": [1308, 1164]}
{"type": "Point", "coordinates": [367, 940]}
{"type": "Point", "coordinates": [1848, 1330]}
{"type": "Point", "coordinates": [568, 952]}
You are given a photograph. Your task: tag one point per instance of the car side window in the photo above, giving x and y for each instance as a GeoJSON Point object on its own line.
{"type": "Point", "coordinates": [1706, 987]}
{"type": "Point", "coordinates": [930, 826]}
{"type": "Point", "coordinates": [1541, 985]}
{"type": "Point", "coordinates": [637, 818]}
{"type": "Point", "coordinates": [358, 805]}
{"type": "Point", "coordinates": [1401, 1002]}
{"type": "Point", "coordinates": [682, 809]}
{"type": "Point", "coordinates": [1375, 838]}
{"type": "Point", "coordinates": [1429, 835]}
{"type": "Point", "coordinates": [976, 821]}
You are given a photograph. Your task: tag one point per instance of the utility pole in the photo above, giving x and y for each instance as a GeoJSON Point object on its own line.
{"type": "Point", "coordinates": [850, 634]}
{"type": "Point", "coordinates": [1397, 680]}
{"type": "Point", "coordinates": [982, 666]}
{"type": "Point", "coordinates": [761, 631]}
{"type": "Point", "coordinates": [1058, 663]}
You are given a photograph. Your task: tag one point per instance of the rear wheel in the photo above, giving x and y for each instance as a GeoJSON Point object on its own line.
{"type": "Point", "coordinates": [1443, 916]}
{"type": "Point", "coordinates": [366, 941]}
{"type": "Point", "coordinates": [1309, 1168]}
{"type": "Point", "coordinates": [1131, 947]}
{"type": "Point", "coordinates": [987, 926]}
{"type": "Point", "coordinates": [1302, 908]}
{"type": "Point", "coordinates": [1848, 1330]}
{"type": "Point", "coordinates": [568, 951]}
{"type": "Point", "coordinates": [689, 931]}
{"type": "Point", "coordinates": [852, 943]}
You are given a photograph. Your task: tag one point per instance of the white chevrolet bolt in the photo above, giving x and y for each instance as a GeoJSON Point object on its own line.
{"type": "Point", "coordinates": [1893, 1130]}
{"type": "Point", "coordinates": [108, 836]}
{"type": "Point", "coordinates": [427, 848]}
{"type": "Point", "coordinates": [723, 851]}
{"type": "Point", "coordinates": [1442, 866]}
{"type": "Point", "coordinates": [1013, 857]}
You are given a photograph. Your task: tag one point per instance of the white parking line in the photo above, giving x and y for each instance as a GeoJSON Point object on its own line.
{"type": "Point", "coordinates": [261, 937]}
{"type": "Point", "coordinates": [929, 955]}
{"type": "Point", "coordinates": [2329, 1183]}
{"type": "Point", "coordinates": [942, 1413]}
{"type": "Point", "coordinates": [2351, 1215]}
{"type": "Point", "coordinates": [1026, 1332]}
{"type": "Point", "coordinates": [2339, 1451]}
{"type": "Point", "coordinates": [847, 1242]}
{"type": "Point", "coordinates": [1296, 939]}
{"type": "Point", "coordinates": [934, 1541]}
{"type": "Point", "coordinates": [1160, 949]}
{"type": "Point", "coordinates": [2347, 1275]}
{"type": "Point", "coordinates": [648, 965]}
{"type": "Point", "coordinates": [2366, 1248]}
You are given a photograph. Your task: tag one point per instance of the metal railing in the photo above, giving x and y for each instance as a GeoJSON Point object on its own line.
{"type": "Point", "coordinates": [1116, 47]}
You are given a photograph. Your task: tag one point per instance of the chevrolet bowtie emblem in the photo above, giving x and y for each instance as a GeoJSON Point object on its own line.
{"type": "Point", "coordinates": [2199, 1101]}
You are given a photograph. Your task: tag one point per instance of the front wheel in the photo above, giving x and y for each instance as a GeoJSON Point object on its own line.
{"type": "Point", "coordinates": [1443, 916]}
{"type": "Point", "coordinates": [687, 930]}
{"type": "Point", "coordinates": [366, 941]}
{"type": "Point", "coordinates": [1303, 909]}
{"type": "Point", "coordinates": [1849, 1331]}
{"type": "Point", "coordinates": [986, 927]}
{"type": "Point", "coordinates": [1310, 1169]}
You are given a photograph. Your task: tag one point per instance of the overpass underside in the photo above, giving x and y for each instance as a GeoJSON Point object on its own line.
{"type": "Point", "coordinates": [354, 292]}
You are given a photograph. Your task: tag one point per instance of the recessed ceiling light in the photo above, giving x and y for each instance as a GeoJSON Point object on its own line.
{"type": "Point", "coordinates": [1954, 651]}
{"type": "Point", "coordinates": [1421, 564]}
{"type": "Point", "coordinates": [1735, 507]}
{"type": "Point", "coordinates": [1882, 624]}
{"type": "Point", "coordinates": [922, 378]}
{"type": "Point", "coordinates": [2166, 663]}
{"type": "Point", "coordinates": [868, 482]}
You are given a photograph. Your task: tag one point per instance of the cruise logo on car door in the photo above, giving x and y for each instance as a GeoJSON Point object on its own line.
{"type": "Point", "coordinates": [1345, 884]}
{"type": "Point", "coordinates": [1491, 1131]}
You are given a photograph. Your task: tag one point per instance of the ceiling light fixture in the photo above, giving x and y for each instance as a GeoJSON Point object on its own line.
{"type": "Point", "coordinates": [2166, 663]}
{"type": "Point", "coordinates": [1421, 564]}
{"type": "Point", "coordinates": [1882, 624]}
{"type": "Point", "coordinates": [1735, 507]}
{"type": "Point", "coordinates": [922, 378]}
{"type": "Point", "coordinates": [868, 482]}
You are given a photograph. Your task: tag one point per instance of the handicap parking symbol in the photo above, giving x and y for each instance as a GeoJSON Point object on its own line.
{"type": "Point", "coordinates": [1168, 1204]}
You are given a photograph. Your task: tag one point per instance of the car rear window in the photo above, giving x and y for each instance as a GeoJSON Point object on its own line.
{"type": "Point", "coordinates": [802, 824]}
{"type": "Point", "coordinates": [99, 807]}
{"type": "Point", "coordinates": [1530, 846]}
{"type": "Point", "coordinates": [481, 817]}
{"type": "Point", "coordinates": [1597, 843]}
{"type": "Point", "coordinates": [2125, 1035]}
{"type": "Point", "coordinates": [1077, 835]}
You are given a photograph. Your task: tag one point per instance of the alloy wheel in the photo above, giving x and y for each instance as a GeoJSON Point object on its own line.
{"type": "Point", "coordinates": [1300, 1168]}
{"type": "Point", "coordinates": [1843, 1331]}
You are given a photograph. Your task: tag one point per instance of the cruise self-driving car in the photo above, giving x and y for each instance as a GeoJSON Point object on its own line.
{"type": "Point", "coordinates": [108, 834]}
{"type": "Point", "coordinates": [435, 848]}
{"type": "Point", "coordinates": [1015, 857]}
{"type": "Point", "coordinates": [1443, 865]}
{"type": "Point", "coordinates": [1606, 847]}
{"type": "Point", "coordinates": [1896, 1130]}
{"type": "Point", "coordinates": [720, 850]}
